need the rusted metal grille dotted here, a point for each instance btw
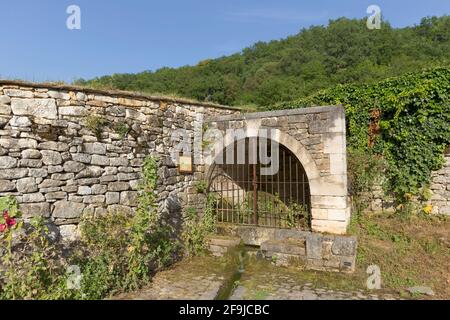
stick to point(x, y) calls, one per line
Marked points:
point(242, 195)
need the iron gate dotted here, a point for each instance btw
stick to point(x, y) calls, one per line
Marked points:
point(242, 195)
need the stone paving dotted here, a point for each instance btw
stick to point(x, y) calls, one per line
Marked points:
point(276, 287)
point(203, 278)
point(197, 279)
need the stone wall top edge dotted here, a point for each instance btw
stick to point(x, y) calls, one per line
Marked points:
point(277, 113)
point(113, 93)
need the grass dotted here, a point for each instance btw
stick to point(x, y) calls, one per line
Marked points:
point(410, 251)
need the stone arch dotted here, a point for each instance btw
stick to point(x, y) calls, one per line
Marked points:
point(295, 146)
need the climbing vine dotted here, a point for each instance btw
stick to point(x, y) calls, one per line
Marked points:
point(411, 128)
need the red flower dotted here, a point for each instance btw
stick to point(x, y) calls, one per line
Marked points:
point(9, 222)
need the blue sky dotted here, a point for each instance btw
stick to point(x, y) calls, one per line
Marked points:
point(131, 36)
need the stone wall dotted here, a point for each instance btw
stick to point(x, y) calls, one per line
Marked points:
point(440, 187)
point(58, 166)
point(440, 192)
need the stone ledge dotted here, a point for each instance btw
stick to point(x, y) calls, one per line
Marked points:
point(114, 93)
point(292, 247)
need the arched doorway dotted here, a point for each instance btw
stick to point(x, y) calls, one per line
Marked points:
point(244, 194)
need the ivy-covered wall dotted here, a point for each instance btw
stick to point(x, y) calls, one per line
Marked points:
point(404, 120)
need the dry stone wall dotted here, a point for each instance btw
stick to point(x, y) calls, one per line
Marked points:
point(66, 152)
point(439, 187)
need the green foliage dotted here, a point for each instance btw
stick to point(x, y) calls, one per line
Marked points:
point(298, 215)
point(365, 170)
point(413, 124)
point(201, 186)
point(9, 203)
point(121, 128)
point(119, 251)
point(95, 123)
point(319, 57)
point(32, 268)
point(116, 252)
point(197, 228)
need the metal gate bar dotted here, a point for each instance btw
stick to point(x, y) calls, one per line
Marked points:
point(244, 196)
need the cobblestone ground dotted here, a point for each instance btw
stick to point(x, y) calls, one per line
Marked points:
point(276, 287)
point(196, 279)
point(203, 278)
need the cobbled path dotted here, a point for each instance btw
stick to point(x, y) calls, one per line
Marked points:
point(202, 279)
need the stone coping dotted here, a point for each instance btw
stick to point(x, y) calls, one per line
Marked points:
point(277, 113)
point(113, 93)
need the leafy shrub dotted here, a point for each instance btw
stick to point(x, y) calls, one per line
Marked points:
point(116, 252)
point(95, 123)
point(197, 228)
point(119, 251)
point(365, 170)
point(121, 128)
point(31, 266)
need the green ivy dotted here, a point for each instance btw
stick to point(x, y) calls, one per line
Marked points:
point(414, 123)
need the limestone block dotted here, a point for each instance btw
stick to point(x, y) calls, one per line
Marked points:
point(112, 198)
point(100, 160)
point(18, 93)
point(29, 210)
point(74, 111)
point(26, 185)
point(7, 162)
point(31, 154)
point(328, 202)
point(6, 185)
point(68, 209)
point(11, 174)
point(95, 148)
point(129, 198)
point(327, 226)
point(54, 146)
point(22, 122)
point(41, 108)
